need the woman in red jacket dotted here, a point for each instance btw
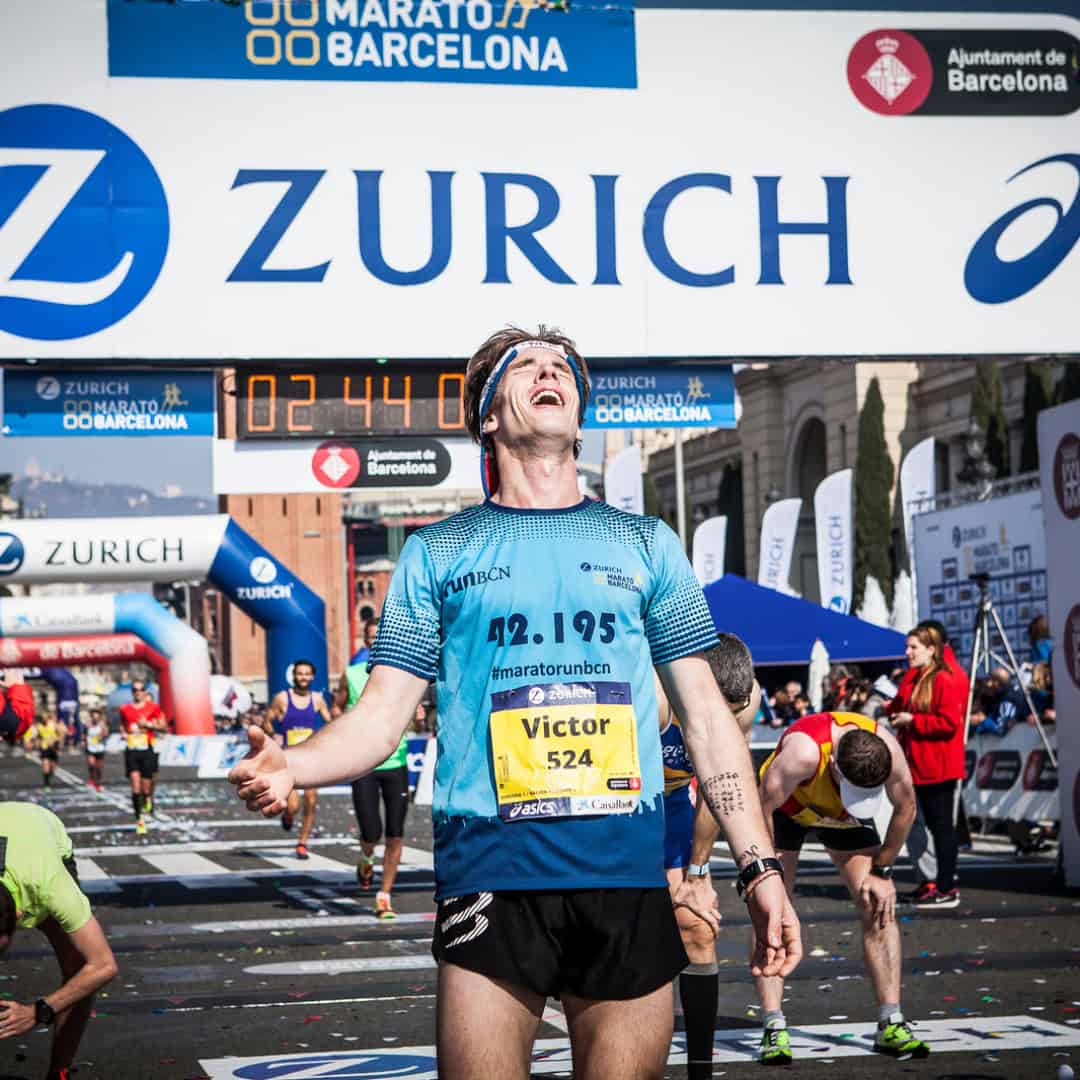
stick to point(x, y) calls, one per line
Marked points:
point(928, 716)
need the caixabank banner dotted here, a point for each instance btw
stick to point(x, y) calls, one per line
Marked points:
point(339, 178)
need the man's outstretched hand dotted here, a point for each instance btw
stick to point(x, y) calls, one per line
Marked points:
point(263, 780)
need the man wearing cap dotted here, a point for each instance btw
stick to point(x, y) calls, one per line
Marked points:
point(831, 775)
point(540, 615)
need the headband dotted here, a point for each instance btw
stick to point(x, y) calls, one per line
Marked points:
point(487, 464)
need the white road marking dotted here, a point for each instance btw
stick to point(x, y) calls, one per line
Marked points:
point(739, 1045)
point(93, 879)
point(306, 1002)
point(348, 966)
point(289, 861)
point(553, 1017)
point(187, 864)
point(254, 925)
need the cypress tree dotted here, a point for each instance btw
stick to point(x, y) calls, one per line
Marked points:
point(1069, 387)
point(988, 408)
point(1037, 395)
point(729, 499)
point(874, 474)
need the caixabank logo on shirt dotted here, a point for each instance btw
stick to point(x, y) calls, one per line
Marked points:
point(84, 223)
point(532, 42)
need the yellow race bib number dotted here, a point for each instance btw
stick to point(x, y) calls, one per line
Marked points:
point(295, 736)
point(565, 750)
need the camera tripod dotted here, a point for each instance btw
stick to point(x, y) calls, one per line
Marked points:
point(982, 654)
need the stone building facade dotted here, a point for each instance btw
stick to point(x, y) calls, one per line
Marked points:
point(800, 421)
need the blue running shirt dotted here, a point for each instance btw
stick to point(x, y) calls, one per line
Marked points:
point(541, 628)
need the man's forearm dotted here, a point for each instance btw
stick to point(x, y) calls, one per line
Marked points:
point(899, 826)
point(351, 746)
point(706, 833)
point(92, 976)
point(727, 782)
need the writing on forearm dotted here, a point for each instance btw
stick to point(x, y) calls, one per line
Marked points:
point(745, 858)
point(724, 794)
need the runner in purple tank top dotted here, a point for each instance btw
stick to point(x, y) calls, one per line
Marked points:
point(294, 716)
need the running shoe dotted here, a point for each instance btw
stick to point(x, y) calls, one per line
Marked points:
point(920, 893)
point(140, 827)
point(383, 910)
point(286, 821)
point(302, 851)
point(938, 900)
point(148, 805)
point(896, 1040)
point(365, 871)
point(775, 1047)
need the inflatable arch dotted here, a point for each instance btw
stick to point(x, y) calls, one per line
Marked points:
point(137, 613)
point(89, 651)
point(207, 546)
point(66, 687)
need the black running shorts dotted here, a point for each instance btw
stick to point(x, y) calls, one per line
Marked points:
point(144, 762)
point(788, 835)
point(601, 944)
point(50, 753)
point(390, 785)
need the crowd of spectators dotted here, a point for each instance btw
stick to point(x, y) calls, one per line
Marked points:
point(998, 702)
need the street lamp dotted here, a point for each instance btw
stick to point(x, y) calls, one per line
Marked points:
point(977, 472)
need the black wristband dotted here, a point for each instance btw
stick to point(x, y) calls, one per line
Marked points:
point(883, 872)
point(753, 870)
point(43, 1012)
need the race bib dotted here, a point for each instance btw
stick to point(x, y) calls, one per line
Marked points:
point(138, 740)
point(565, 750)
point(295, 736)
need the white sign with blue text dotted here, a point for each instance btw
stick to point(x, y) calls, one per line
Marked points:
point(662, 397)
point(108, 403)
point(282, 179)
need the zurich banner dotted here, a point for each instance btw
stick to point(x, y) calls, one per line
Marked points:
point(209, 546)
point(108, 403)
point(697, 396)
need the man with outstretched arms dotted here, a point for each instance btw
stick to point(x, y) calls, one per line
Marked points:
point(689, 835)
point(293, 717)
point(831, 774)
point(540, 615)
point(40, 889)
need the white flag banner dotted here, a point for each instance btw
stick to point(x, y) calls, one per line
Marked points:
point(918, 487)
point(623, 485)
point(710, 546)
point(833, 522)
point(778, 527)
point(1059, 468)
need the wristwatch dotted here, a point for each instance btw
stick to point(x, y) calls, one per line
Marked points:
point(883, 872)
point(44, 1013)
point(753, 870)
point(697, 870)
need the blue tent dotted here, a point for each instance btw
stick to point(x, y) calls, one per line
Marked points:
point(782, 629)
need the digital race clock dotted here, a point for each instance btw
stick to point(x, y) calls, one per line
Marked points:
point(354, 399)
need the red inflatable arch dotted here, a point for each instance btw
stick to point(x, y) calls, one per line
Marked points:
point(90, 650)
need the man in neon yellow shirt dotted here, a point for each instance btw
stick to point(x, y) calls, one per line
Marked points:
point(39, 889)
point(46, 737)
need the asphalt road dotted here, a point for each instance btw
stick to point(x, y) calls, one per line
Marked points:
point(238, 961)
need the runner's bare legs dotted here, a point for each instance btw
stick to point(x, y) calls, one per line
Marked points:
point(484, 1027)
point(621, 1040)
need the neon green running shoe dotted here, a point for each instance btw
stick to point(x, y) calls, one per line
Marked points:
point(896, 1040)
point(775, 1047)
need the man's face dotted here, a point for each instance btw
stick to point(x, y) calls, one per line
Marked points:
point(537, 398)
point(370, 632)
point(138, 692)
point(303, 676)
